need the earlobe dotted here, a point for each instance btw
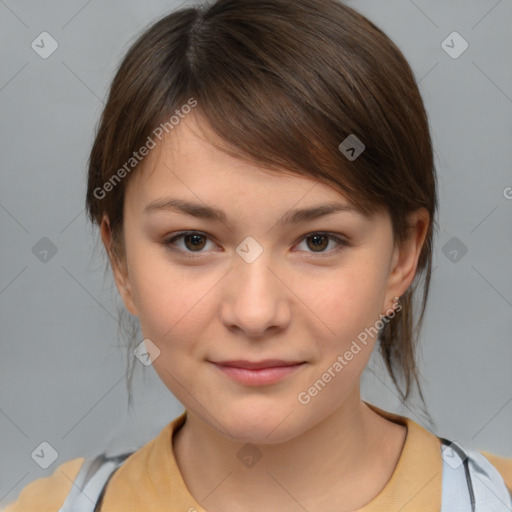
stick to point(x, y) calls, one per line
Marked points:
point(119, 270)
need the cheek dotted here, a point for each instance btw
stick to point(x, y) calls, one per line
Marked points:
point(170, 299)
point(347, 301)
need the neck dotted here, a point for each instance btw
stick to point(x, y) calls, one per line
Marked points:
point(339, 464)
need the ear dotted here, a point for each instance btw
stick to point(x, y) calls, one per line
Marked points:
point(119, 268)
point(406, 256)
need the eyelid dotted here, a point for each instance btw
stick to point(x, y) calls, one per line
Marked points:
point(341, 240)
point(169, 243)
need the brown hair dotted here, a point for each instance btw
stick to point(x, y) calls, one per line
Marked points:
point(283, 84)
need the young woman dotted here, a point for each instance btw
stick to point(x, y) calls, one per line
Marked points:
point(264, 185)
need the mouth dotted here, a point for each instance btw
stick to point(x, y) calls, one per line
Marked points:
point(258, 373)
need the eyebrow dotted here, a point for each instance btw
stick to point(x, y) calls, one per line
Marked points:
point(208, 212)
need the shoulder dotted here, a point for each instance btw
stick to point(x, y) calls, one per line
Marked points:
point(145, 477)
point(47, 494)
point(137, 477)
point(504, 467)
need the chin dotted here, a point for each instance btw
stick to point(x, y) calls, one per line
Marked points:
point(261, 423)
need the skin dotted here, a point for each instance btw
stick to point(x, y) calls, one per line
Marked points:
point(294, 302)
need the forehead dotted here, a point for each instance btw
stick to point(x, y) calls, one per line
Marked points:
point(186, 161)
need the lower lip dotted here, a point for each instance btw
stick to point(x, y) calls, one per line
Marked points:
point(258, 377)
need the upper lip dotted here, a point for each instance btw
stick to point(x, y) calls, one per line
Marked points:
point(257, 365)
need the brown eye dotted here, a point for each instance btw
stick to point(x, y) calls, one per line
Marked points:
point(318, 242)
point(194, 241)
point(188, 242)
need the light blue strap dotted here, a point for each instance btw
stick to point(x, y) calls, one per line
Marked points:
point(491, 492)
point(469, 472)
point(89, 483)
point(456, 494)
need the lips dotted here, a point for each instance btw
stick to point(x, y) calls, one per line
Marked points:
point(258, 373)
point(258, 365)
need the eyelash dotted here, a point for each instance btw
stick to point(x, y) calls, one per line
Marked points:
point(191, 254)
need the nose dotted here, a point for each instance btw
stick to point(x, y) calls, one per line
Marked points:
point(256, 299)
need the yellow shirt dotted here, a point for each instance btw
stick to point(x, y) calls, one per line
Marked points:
point(150, 480)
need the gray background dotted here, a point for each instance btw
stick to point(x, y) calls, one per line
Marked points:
point(62, 368)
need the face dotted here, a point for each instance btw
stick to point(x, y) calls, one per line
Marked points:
point(259, 314)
